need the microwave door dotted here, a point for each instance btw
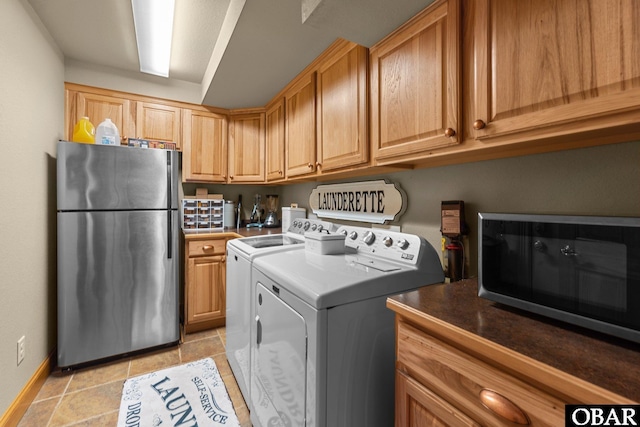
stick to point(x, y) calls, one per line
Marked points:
point(601, 272)
point(550, 269)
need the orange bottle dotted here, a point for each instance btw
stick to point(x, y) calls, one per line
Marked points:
point(84, 131)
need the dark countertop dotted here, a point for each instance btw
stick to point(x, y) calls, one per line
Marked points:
point(230, 233)
point(608, 362)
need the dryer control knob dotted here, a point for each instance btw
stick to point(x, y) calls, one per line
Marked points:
point(306, 225)
point(388, 241)
point(402, 244)
point(353, 235)
point(344, 232)
point(313, 227)
point(369, 238)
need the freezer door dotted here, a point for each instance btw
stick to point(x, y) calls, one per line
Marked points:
point(102, 177)
point(117, 283)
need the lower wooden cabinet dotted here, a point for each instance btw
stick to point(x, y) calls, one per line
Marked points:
point(440, 382)
point(205, 277)
point(417, 406)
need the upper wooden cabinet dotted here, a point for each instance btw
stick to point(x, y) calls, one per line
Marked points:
point(415, 86)
point(100, 107)
point(326, 114)
point(246, 147)
point(275, 140)
point(341, 96)
point(158, 122)
point(97, 107)
point(300, 128)
point(204, 148)
point(136, 116)
point(554, 69)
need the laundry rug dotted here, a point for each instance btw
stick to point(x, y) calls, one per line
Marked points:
point(187, 395)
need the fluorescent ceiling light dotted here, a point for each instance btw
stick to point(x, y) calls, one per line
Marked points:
point(153, 20)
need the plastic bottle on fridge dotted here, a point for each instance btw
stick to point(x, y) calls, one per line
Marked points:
point(107, 133)
point(84, 131)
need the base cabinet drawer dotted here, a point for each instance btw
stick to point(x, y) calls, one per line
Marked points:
point(482, 392)
point(207, 247)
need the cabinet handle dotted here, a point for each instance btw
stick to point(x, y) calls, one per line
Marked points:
point(310, 165)
point(280, 172)
point(207, 248)
point(503, 407)
point(318, 165)
point(449, 132)
point(479, 124)
point(230, 176)
point(224, 259)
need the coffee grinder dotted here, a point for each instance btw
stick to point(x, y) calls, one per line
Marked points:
point(453, 227)
point(271, 220)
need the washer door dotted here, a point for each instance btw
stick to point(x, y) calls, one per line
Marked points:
point(278, 377)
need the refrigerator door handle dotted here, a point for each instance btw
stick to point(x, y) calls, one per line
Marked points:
point(169, 212)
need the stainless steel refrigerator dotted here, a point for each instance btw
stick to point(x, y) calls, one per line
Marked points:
point(118, 250)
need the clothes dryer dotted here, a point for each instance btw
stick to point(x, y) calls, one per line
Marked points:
point(322, 350)
point(241, 253)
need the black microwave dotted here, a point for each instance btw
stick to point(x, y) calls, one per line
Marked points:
point(583, 270)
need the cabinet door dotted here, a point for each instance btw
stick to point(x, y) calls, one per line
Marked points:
point(300, 139)
point(206, 289)
point(551, 69)
point(417, 406)
point(415, 86)
point(204, 146)
point(342, 109)
point(489, 395)
point(246, 148)
point(158, 122)
point(275, 141)
point(99, 107)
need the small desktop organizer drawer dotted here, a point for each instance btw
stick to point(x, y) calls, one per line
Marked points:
point(202, 215)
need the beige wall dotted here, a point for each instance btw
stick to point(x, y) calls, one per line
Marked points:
point(141, 84)
point(31, 121)
point(589, 181)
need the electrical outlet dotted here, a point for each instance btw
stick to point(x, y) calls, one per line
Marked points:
point(21, 349)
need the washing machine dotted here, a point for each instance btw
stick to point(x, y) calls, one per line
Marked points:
point(323, 341)
point(241, 253)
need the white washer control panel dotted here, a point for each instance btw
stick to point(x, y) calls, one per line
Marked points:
point(302, 225)
point(383, 244)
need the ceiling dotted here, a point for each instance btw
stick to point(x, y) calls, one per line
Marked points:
point(240, 52)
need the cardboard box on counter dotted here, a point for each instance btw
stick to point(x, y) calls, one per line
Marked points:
point(214, 196)
point(201, 193)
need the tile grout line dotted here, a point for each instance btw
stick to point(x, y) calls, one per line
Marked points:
point(76, 423)
point(64, 392)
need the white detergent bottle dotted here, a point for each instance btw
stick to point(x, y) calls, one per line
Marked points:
point(107, 133)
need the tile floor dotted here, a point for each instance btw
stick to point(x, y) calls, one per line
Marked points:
point(90, 397)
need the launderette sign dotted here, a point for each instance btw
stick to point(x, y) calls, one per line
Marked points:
point(368, 201)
